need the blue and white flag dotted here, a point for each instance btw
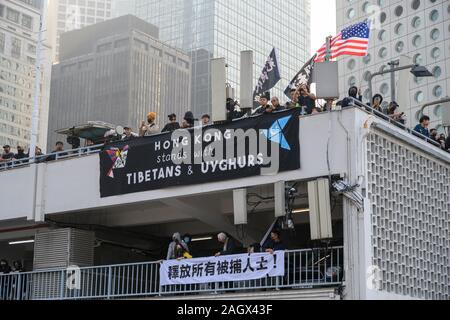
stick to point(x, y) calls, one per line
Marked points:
point(269, 77)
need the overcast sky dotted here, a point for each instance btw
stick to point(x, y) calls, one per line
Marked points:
point(323, 22)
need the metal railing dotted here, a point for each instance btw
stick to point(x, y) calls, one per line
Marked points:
point(359, 104)
point(303, 269)
point(66, 154)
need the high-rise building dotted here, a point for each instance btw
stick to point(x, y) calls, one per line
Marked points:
point(224, 28)
point(19, 29)
point(68, 15)
point(123, 7)
point(413, 31)
point(117, 71)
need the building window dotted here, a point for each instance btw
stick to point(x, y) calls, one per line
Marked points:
point(419, 97)
point(434, 15)
point(31, 48)
point(351, 13)
point(16, 48)
point(437, 91)
point(367, 58)
point(416, 22)
point(12, 15)
point(2, 42)
point(27, 21)
point(435, 53)
point(2, 10)
point(435, 33)
point(437, 71)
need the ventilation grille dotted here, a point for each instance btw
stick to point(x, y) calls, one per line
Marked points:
point(410, 220)
point(63, 248)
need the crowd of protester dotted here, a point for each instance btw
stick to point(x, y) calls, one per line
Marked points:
point(5, 268)
point(301, 98)
point(179, 247)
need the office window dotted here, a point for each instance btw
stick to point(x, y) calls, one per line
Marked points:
point(2, 42)
point(16, 47)
point(27, 21)
point(12, 15)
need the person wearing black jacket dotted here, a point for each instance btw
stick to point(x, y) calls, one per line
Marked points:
point(230, 246)
point(354, 93)
point(4, 267)
point(275, 243)
point(172, 125)
point(20, 153)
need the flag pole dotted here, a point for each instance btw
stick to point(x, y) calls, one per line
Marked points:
point(328, 49)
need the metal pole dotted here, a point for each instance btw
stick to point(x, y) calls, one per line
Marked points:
point(328, 49)
point(433, 103)
point(392, 70)
point(371, 76)
point(393, 64)
point(37, 90)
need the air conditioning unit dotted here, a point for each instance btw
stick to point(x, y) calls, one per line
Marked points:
point(59, 249)
point(62, 248)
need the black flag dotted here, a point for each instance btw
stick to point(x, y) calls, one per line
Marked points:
point(302, 77)
point(269, 77)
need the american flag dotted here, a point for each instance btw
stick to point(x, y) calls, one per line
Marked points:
point(352, 41)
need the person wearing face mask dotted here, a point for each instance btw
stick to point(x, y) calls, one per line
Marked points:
point(178, 249)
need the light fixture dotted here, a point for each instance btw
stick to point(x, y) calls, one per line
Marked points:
point(421, 71)
point(20, 242)
point(298, 211)
point(201, 239)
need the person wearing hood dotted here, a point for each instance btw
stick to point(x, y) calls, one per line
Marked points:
point(4, 267)
point(353, 93)
point(151, 127)
point(188, 120)
point(178, 249)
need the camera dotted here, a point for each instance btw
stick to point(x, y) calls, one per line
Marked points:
point(75, 142)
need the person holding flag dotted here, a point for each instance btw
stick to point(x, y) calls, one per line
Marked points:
point(264, 103)
point(353, 40)
point(270, 76)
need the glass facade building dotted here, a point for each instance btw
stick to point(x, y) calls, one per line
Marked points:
point(223, 28)
point(19, 26)
point(116, 71)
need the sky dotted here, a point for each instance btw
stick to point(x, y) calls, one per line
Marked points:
point(323, 22)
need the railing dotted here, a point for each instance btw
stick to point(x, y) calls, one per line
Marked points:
point(359, 104)
point(303, 269)
point(74, 153)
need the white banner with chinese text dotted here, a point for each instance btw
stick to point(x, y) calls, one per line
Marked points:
point(222, 269)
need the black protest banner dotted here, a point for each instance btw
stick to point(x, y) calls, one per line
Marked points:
point(243, 148)
point(270, 76)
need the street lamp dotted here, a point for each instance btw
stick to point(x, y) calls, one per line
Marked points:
point(416, 70)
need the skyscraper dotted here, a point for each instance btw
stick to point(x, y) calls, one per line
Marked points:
point(417, 31)
point(117, 71)
point(224, 28)
point(68, 15)
point(19, 26)
point(122, 7)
